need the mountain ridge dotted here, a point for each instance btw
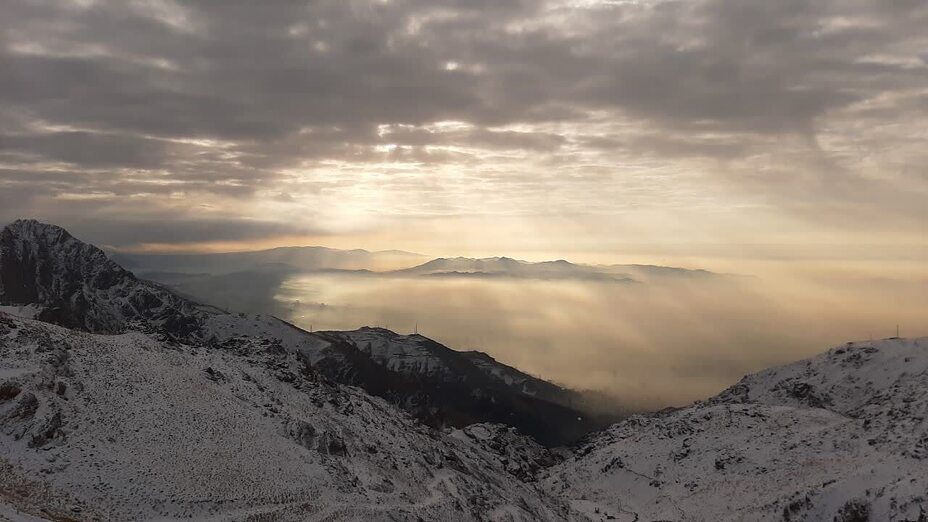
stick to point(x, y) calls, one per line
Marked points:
point(497, 266)
point(127, 427)
point(557, 269)
point(305, 258)
point(44, 264)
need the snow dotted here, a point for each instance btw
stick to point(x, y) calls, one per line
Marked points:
point(11, 514)
point(401, 353)
point(291, 338)
point(800, 442)
point(29, 311)
point(154, 431)
point(521, 456)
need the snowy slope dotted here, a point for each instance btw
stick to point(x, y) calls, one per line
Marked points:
point(520, 455)
point(835, 437)
point(125, 428)
point(400, 353)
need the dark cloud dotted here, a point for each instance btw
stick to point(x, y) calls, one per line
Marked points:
point(240, 71)
point(228, 99)
point(88, 149)
point(130, 227)
point(164, 229)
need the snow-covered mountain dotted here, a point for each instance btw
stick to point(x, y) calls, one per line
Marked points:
point(128, 427)
point(51, 276)
point(842, 436)
point(62, 280)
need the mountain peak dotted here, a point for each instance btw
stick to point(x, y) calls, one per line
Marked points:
point(74, 284)
point(38, 261)
point(35, 231)
point(23, 223)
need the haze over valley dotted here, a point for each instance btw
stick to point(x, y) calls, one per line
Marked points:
point(643, 335)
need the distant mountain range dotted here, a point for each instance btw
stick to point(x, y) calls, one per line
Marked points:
point(251, 281)
point(180, 268)
point(306, 259)
point(560, 269)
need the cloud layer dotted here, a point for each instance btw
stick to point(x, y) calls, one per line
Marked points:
point(239, 120)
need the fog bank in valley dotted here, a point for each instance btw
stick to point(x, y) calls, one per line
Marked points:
point(649, 345)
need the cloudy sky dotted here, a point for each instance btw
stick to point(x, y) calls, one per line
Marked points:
point(468, 126)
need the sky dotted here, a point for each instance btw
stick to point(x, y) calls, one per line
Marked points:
point(648, 130)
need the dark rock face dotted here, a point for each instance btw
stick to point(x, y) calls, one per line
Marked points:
point(806, 394)
point(8, 391)
point(521, 456)
point(854, 511)
point(50, 431)
point(73, 284)
point(44, 264)
point(214, 375)
point(303, 433)
point(466, 396)
point(26, 408)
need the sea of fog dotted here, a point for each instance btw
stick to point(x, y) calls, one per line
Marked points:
point(650, 345)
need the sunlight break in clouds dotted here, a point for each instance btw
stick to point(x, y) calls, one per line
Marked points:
point(672, 121)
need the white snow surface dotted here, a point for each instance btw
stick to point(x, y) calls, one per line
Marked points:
point(400, 353)
point(125, 427)
point(835, 437)
point(29, 311)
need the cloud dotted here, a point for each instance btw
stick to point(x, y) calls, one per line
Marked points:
point(456, 106)
point(664, 342)
point(165, 229)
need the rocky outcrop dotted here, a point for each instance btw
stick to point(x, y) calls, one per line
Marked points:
point(75, 285)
